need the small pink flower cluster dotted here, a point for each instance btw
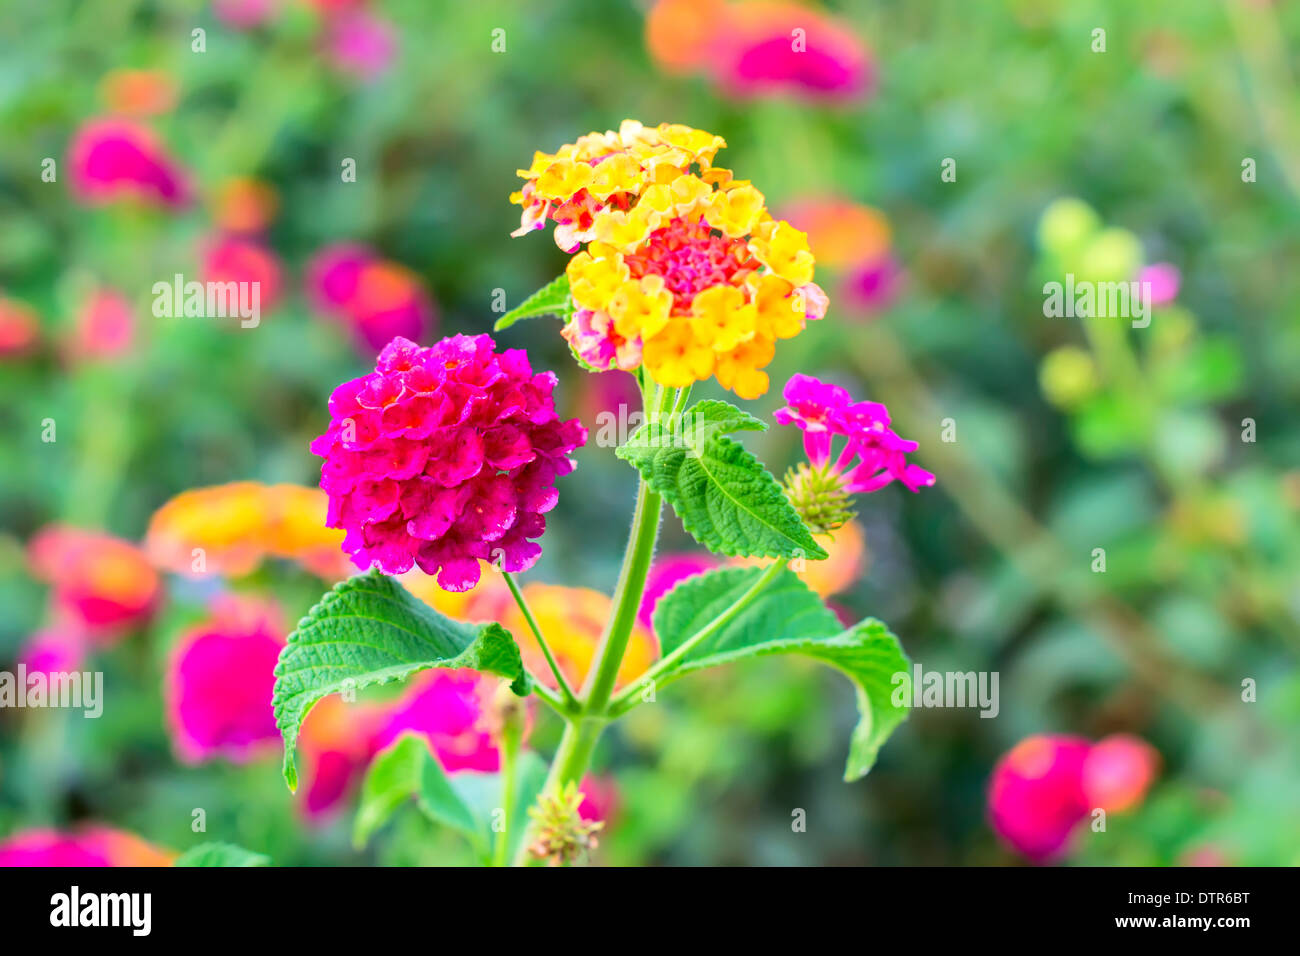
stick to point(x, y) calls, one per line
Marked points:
point(873, 454)
point(445, 457)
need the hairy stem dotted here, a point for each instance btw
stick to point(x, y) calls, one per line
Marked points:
point(581, 733)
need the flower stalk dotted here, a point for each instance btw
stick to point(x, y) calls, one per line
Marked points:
point(570, 700)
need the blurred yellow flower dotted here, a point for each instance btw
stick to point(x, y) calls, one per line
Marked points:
point(230, 529)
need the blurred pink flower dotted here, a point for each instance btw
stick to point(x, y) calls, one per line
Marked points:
point(760, 48)
point(599, 798)
point(337, 742)
point(219, 680)
point(377, 300)
point(1046, 785)
point(1165, 281)
point(359, 43)
point(776, 47)
point(609, 397)
point(104, 327)
point(53, 651)
point(89, 846)
point(448, 709)
point(1118, 771)
point(1036, 795)
point(244, 14)
point(237, 259)
point(115, 158)
point(873, 286)
point(666, 571)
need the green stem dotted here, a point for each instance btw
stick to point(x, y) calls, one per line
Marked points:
point(630, 696)
point(627, 601)
point(552, 700)
point(581, 733)
point(569, 699)
point(511, 738)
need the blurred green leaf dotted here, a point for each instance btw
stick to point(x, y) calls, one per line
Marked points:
point(221, 854)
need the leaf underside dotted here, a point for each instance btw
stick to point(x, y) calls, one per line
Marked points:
point(788, 618)
point(371, 630)
point(465, 802)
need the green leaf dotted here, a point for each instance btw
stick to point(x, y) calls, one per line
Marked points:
point(725, 498)
point(465, 802)
point(550, 299)
point(371, 630)
point(403, 770)
point(787, 618)
point(221, 854)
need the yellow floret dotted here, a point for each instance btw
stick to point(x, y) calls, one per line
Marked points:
point(735, 211)
point(784, 249)
point(641, 308)
point(593, 281)
point(676, 358)
point(722, 318)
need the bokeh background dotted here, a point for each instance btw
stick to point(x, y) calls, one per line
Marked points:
point(1173, 154)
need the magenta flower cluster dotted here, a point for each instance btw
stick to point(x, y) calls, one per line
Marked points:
point(444, 457)
point(872, 455)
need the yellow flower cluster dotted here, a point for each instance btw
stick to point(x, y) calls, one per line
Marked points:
point(685, 271)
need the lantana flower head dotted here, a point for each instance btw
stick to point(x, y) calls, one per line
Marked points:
point(444, 457)
point(685, 272)
point(871, 456)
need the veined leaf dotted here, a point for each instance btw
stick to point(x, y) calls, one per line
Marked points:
point(371, 630)
point(465, 802)
point(220, 854)
point(725, 498)
point(787, 618)
point(551, 299)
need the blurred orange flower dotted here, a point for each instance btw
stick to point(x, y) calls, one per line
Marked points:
point(847, 560)
point(19, 327)
point(572, 621)
point(138, 92)
point(244, 205)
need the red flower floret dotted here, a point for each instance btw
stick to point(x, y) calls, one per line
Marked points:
point(445, 457)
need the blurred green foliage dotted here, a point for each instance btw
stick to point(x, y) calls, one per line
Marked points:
point(992, 570)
